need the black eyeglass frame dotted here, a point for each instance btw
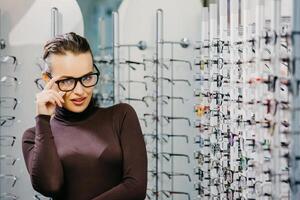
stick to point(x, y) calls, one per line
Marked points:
point(77, 79)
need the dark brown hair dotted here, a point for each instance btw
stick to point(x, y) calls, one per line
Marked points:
point(60, 44)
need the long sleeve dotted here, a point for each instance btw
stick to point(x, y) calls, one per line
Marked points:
point(134, 181)
point(41, 157)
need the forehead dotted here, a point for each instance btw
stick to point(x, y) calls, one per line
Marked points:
point(70, 64)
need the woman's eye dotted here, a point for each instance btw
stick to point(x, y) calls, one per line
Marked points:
point(87, 77)
point(67, 82)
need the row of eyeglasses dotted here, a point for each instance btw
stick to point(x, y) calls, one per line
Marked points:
point(162, 170)
point(9, 103)
point(244, 108)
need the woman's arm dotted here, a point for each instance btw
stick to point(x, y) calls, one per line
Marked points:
point(41, 157)
point(134, 183)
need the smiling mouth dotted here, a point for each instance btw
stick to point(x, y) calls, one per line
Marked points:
point(78, 101)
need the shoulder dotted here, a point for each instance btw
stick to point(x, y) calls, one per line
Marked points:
point(29, 133)
point(121, 110)
point(123, 107)
point(115, 110)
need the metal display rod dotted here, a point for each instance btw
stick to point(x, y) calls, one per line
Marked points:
point(158, 52)
point(2, 41)
point(295, 161)
point(54, 22)
point(116, 55)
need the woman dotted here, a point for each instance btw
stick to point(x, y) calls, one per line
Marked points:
point(76, 150)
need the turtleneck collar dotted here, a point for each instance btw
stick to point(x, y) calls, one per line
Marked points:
point(67, 116)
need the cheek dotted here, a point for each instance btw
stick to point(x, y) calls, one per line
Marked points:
point(67, 96)
point(89, 91)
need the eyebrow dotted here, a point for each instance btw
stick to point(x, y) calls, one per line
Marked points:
point(75, 77)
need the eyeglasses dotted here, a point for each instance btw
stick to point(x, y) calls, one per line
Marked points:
point(7, 140)
point(104, 97)
point(68, 84)
point(7, 177)
point(169, 193)
point(7, 195)
point(41, 197)
point(170, 175)
point(10, 60)
point(8, 159)
point(39, 83)
point(7, 120)
point(9, 102)
point(9, 80)
point(150, 138)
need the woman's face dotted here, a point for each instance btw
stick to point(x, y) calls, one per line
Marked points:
point(74, 66)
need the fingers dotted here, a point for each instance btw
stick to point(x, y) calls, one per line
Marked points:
point(50, 96)
point(58, 95)
point(55, 99)
point(50, 84)
point(51, 100)
point(61, 93)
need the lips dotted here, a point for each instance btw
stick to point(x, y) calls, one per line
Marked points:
point(78, 101)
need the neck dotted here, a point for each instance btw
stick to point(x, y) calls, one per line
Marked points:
point(65, 115)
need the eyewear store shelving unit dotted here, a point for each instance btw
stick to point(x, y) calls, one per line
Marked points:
point(238, 82)
point(9, 102)
point(218, 103)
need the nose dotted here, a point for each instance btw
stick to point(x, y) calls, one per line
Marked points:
point(79, 89)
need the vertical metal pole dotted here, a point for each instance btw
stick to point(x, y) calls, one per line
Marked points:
point(295, 154)
point(2, 41)
point(102, 32)
point(0, 23)
point(102, 45)
point(172, 114)
point(116, 56)
point(1, 31)
point(212, 24)
point(159, 43)
point(54, 22)
point(276, 194)
point(128, 75)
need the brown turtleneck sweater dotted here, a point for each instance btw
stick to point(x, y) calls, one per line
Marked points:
point(98, 154)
